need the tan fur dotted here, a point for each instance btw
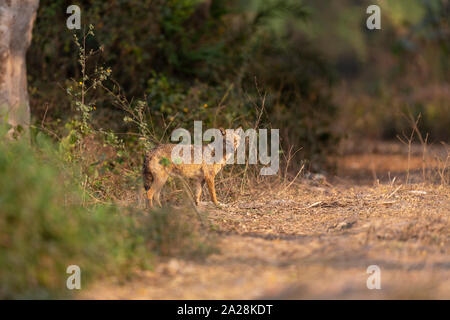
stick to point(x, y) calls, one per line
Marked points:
point(158, 167)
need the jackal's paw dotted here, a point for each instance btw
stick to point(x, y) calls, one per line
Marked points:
point(221, 205)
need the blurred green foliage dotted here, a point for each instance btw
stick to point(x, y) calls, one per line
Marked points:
point(48, 223)
point(385, 75)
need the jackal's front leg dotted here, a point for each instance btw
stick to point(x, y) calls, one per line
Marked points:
point(212, 190)
point(198, 190)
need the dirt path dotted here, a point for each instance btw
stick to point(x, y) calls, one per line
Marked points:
point(314, 241)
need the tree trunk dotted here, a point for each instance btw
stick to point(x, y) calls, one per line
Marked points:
point(16, 23)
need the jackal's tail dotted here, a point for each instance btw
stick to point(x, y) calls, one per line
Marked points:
point(146, 173)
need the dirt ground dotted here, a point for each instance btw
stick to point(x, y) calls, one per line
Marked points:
point(316, 240)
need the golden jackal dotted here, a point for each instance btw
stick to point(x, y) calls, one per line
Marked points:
point(158, 166)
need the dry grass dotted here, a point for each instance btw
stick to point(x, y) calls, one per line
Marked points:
point(316, 239)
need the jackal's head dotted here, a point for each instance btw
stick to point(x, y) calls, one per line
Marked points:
point(232, 137)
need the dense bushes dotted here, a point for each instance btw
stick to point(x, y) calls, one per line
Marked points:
point(202, 59)
point(189, 59)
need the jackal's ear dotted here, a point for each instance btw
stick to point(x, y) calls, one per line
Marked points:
point(222, 131)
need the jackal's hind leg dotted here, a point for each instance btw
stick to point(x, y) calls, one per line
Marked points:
point(149, 199)
point(154, 191)
point(157, 186)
